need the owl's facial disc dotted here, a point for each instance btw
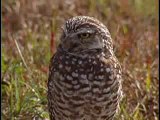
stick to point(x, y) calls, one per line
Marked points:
point(81, 41)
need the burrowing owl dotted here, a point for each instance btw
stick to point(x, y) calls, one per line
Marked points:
point(85, 76)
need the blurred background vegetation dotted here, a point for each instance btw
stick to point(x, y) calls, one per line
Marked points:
point(29, 27)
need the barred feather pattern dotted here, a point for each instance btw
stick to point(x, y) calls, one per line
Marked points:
point(84, 88)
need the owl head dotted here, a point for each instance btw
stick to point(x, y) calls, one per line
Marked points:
point(83, 35)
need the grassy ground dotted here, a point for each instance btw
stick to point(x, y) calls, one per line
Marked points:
point(28, 26)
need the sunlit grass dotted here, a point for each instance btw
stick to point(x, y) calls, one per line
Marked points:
point(133, 25)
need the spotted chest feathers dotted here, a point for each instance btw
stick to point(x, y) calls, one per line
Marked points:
point(89, 85)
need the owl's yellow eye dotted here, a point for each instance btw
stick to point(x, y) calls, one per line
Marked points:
point(84, 35)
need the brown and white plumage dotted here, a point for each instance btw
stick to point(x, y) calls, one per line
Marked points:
point(85, 76)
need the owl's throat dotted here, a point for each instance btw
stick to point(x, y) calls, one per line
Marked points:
point(83, 53)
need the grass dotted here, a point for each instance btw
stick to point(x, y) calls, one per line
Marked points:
point(26, 35)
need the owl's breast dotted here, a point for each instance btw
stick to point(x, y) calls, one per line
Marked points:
point(90, 85)
point(87, 77)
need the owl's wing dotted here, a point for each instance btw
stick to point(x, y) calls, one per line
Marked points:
point(113, 88)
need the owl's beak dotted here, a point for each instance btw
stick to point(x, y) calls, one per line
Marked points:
point(69, 44)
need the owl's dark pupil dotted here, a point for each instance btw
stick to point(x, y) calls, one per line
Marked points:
point(84, 35)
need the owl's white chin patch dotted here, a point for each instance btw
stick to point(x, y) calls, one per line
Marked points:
point(86, 53)
point(96, 50)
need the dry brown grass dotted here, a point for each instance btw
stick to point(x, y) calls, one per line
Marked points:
point(134, 28)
